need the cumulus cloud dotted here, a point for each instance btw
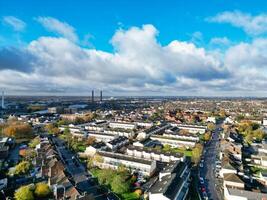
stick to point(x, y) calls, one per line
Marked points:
point(15, 59)
point(252, 25)
point(139, 63)
point(14, 22)
point(61, 28)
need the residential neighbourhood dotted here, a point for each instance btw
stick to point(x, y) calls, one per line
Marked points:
point(133, 100)
point(128, 153)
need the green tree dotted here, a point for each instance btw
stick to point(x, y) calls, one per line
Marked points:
point(119, 185)
point(106, 176)
point(66, 131)
point(34, 142)
point(24, 193)
point(42, 190)
point(22, 168)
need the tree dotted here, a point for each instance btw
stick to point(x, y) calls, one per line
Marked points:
point(18, 130)
point(105, 177)
point(207, 136)
point(196, 153)
point(22, 168)
point(55, 130)
point(42, 190)
point(211, 126)
point(30, 154)
point(222, 113)
point(79, 120)
point(49, 127)
point(259, 134)
point(94, 160)
point(122, 169)
point(34, 142)
point(91, 140)
point(66, 131)
point(119, 185)
point(63, 122)
point(52, 129)
point(167, 148)
point(24, 193)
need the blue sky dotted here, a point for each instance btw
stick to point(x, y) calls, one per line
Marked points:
point(174, 19)
point(210, 32)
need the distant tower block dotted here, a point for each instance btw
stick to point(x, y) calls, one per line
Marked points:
point(101, 97)
point(3, 100)
point(92, 96)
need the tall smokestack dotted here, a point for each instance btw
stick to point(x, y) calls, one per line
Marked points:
point(3, 100)
point(92, 96)
point(101, 96)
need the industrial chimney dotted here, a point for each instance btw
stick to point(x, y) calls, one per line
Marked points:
point(101, 96)
point(92, 96)
point(3, 100)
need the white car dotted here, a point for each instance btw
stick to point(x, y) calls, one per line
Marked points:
point(201, 180)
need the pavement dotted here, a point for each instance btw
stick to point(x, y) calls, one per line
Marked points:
point(208, 169)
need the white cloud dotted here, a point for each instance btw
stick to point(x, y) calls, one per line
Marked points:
point(220, 41)
point(139, 65)
point(61, 28)
point(252, 25)
point(16, 23)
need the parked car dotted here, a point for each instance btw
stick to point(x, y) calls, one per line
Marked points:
point(201, 180)
point(205, 196)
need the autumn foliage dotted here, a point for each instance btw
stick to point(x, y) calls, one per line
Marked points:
point(18, 130)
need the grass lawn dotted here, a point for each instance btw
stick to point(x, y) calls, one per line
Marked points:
point(186, 152)
point(178, 150)
point(81, 148)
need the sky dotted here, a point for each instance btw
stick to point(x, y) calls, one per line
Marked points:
point(138, 48)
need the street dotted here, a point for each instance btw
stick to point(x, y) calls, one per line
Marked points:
point(207, 171)
point(76, 170)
